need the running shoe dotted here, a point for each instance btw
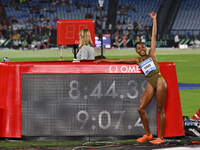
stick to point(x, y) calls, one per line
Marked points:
point(145, 138)
point(157, 141)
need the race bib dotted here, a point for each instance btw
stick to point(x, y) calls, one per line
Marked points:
point(147, 66)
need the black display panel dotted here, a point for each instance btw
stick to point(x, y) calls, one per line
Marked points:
point(83, 105)
point(106, 41)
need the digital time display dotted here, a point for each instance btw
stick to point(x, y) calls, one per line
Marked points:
point(83, 104)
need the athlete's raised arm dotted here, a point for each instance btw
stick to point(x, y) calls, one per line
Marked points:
point(127, 61)
point(152, 51)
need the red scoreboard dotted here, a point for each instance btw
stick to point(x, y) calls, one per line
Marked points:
point(68, 30)
point(81, 99)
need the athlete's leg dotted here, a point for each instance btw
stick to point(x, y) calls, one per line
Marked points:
point(144, 101)
point(160, 96)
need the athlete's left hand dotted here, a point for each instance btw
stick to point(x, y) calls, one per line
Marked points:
point(153, 15)
point(98, 61)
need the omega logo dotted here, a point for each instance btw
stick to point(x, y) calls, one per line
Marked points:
point(124, 69)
